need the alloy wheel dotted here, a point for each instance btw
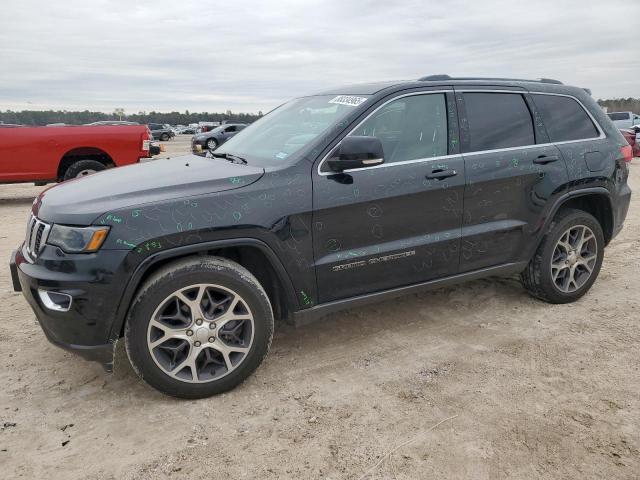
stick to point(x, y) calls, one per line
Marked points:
point(200, 333)
point(574, 258)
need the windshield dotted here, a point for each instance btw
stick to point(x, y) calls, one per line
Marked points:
point(274, 138)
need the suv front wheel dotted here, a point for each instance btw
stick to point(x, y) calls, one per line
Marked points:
point(199, 327)
point(568, 260)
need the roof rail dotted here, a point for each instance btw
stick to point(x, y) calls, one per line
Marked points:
point(441, 77)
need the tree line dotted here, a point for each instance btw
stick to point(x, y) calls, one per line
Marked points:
point(621, 105)
point(37, 117)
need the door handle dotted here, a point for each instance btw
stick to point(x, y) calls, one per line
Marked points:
point(441, 174)
point(544, 159)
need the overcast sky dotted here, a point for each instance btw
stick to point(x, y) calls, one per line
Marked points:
point(248, 56)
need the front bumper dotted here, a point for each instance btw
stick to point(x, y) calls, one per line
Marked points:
point(86, 328)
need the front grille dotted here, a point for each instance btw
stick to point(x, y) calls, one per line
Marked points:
point(37, 233)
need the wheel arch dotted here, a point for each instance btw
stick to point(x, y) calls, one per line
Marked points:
point(596, 201)
point(83, 153)
point(255, 255)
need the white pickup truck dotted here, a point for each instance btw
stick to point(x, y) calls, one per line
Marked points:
point(624, 119)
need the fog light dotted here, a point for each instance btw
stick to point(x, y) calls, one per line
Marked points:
point(60, 302)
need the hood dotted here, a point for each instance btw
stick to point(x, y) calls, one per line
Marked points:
point(81, 201)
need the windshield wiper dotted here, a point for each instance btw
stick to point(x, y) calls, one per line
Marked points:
point(230, 157)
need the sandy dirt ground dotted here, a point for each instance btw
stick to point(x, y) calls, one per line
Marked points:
point(536, 390)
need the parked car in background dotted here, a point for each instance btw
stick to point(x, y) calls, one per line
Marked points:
point(331, 201)
point(188, 131)
point(216, 137)
point(624, 119)
point(50, 154)
point(161, 131)
point(632, 135)
point(207, 126)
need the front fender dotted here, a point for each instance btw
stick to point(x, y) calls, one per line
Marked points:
point(181, 251)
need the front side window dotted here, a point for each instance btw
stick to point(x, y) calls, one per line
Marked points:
point(230, 129)
point(275, 138)
point(409, 128)
point(498, 120)
point(564, 118)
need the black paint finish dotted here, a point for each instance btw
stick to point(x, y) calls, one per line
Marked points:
point(334, 238)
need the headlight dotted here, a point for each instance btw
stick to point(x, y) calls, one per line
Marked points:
point(77, 239)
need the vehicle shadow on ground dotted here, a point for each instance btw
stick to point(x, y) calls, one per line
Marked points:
point(17, 200)
point(437, 311)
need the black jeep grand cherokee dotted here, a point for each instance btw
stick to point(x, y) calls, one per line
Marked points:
point(330, 201)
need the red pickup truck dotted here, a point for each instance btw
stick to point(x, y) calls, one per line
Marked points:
point(57, 153)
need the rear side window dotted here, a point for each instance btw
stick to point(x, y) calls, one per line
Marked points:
point(410, 128)
point(564, 118)
point(618, 116)
point(498, 120)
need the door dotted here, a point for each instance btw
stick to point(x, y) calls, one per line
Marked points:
point(512, 172)
point(397, 223)
point(27, 153)
point(585, 148)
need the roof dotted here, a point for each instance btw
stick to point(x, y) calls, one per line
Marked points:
point(544, 84)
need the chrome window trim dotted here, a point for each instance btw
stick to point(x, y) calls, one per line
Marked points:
point(478, 152)
point(404, 162)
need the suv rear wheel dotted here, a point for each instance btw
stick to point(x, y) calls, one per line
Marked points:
point(199, 327)
point(568, 260)
point(165, 137)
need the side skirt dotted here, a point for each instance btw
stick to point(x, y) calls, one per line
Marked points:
point(310, 315)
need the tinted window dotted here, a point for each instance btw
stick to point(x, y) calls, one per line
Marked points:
point(230, 129)
point(618, 115)
point(498, 120)
point(564, 118)
point(410, 127)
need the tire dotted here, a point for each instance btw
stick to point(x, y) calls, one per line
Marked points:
point(168, 364)
point(82, 168)
point(165, 137)
point(553, 282)
point(212, 144)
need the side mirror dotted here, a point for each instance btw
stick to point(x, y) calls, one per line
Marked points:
point(357, 152)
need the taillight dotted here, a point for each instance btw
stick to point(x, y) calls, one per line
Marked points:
point(146, 142)
point(627, 153)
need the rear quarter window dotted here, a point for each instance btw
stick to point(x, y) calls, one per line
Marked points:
point(564, 118)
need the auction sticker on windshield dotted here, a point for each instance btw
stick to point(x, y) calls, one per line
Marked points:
point(348, 100)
